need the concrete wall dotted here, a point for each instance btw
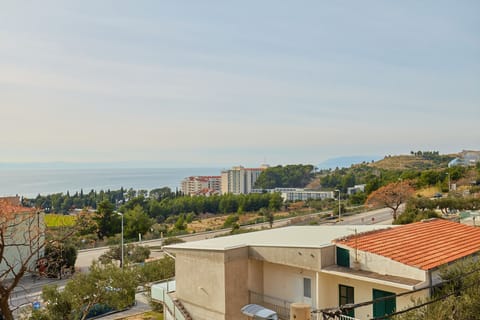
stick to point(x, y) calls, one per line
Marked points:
point(236, 282)
point(200, 284)
point(213, 284)
point(305, 258)
point(328, 256)
point(255, 276)
point(328, 295)
point(286, 283)
point(382, 265)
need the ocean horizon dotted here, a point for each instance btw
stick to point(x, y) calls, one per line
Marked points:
point(29, 182)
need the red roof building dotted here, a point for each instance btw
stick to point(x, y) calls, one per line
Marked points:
point(424, 245)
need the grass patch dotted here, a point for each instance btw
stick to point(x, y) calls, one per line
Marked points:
point(59, 220)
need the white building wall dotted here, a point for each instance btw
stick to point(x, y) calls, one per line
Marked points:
point(286, 283)
point(385, 266)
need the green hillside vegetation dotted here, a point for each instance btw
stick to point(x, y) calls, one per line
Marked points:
point(416, 160)
point(426, 168)
point(289, 176)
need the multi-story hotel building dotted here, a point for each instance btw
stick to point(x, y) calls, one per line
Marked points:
point(240, 180)
point(197, 184)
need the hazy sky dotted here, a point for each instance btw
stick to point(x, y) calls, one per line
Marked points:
point(203, 83)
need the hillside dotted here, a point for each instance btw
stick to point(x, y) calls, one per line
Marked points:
point(405, 162)
point(423, 165)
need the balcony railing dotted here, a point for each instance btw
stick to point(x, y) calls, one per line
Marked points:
point(281, 307)
point(319, 316)
point(162, 291)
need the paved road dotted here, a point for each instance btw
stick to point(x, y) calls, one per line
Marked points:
point(380, 216)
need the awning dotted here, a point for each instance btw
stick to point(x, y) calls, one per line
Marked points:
point(254, 310)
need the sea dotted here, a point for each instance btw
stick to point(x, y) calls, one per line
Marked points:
point(29, 182)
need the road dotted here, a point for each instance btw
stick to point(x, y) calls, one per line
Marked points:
point(380, 216)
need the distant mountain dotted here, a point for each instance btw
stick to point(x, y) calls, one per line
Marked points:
point(346, 162)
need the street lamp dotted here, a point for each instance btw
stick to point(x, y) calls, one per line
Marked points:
point(339, 208)
point(121, 214)
point(448, 175)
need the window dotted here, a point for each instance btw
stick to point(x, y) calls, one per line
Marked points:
point(345, 296)
point(307, 287)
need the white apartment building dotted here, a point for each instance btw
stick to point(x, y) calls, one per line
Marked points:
point(303, 195)
point(240, 180)
point(356, 188)
point(197, 184)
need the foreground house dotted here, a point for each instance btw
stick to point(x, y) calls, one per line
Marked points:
point(324, 266)
point(22, 235)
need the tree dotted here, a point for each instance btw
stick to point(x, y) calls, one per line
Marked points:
point(137, 221)
point(60, 255)
point(107, 221)
point(104, 284)
point(456, 299)
point(391, 196)
point(161, 269)
point(270, 218)
point(22, 243)
point(293, 176)
point(132, 253)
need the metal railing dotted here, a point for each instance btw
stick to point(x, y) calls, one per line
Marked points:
point(280, 306)
point(161, 291)
point(319, 316)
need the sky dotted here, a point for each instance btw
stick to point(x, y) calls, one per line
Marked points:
point(217, 83)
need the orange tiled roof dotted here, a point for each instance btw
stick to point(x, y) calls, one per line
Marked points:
point(425, 245)
point(6, 207)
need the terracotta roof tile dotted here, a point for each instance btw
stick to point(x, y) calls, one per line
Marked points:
point(6, 207)
point(425, 245)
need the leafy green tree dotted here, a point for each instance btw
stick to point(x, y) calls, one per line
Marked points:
point(157, 270)
point(161, 193)
point(132, 253)
point(358, 198)
point(104, 284)
point(172, 240)
point(107, 220)
point(189, 218)
point(137, 222)
point(275, 202)
point(270, 218)
point(456, 299)
point(180, 223)
point(59, 306)
point(230, 221)
point(289, 176)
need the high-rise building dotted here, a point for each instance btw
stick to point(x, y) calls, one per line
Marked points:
point(240, 180)
point(199, 184)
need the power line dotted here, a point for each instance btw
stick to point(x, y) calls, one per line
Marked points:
point(343, 308)
point(426, 303)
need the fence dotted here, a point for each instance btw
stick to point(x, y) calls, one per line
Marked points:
point(281, 307)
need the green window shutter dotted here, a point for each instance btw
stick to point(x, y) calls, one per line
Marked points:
point(343, 257)
point(384, 307)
